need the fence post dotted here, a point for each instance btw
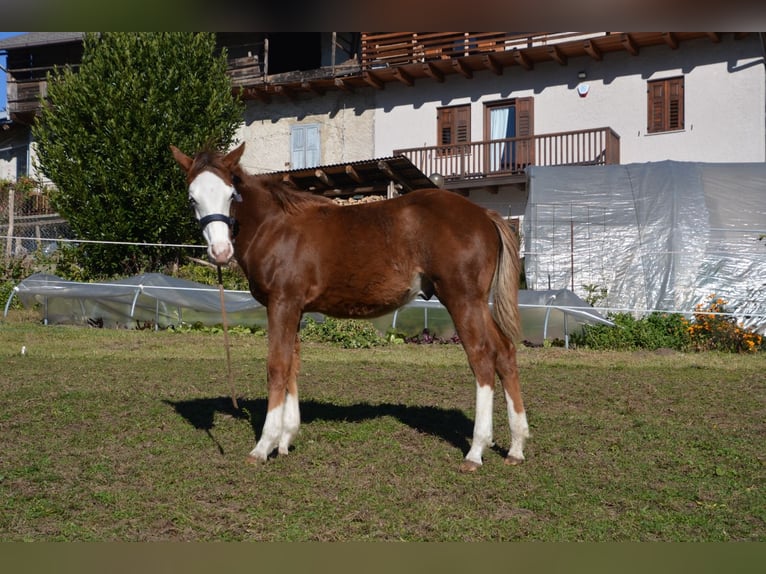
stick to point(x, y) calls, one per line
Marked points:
point(11, 209)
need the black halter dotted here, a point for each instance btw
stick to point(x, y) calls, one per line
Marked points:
point(227, 219)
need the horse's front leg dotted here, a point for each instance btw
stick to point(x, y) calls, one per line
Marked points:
point(282, 416)
point(291, 419)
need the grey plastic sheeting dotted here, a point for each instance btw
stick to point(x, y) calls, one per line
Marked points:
point(545, 315)
point(163, 301)
point(153, 298)
point(659, 236)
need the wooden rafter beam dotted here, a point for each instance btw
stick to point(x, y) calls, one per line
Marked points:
point(461, 67)
point(385, 168)
point(258, 94)
point(285, 91)
point(432, 71)
point(313, 87)
point(670, 39)
point(322, 176)
point(629, 44)
point(403, 77)
point(341, 84)
point(523, 60)
point(353, 174)
point(288, 179)
point(592, 50)
point(555, 53)
point(491, 63)
point(374, 80)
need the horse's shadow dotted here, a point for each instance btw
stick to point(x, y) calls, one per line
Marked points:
point(450, 425)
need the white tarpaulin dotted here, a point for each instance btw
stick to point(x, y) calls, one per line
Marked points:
point(657, 236)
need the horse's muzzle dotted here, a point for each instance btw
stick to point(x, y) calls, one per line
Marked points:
point(220, 253)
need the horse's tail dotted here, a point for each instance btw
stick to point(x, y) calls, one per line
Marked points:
point(505, 284)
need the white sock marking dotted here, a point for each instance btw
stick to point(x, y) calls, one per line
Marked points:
point(272, 431)
point(519, 429)
point(291, 422)
point(482, 428)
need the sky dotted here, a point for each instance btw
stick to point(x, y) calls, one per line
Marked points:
point(3, 94)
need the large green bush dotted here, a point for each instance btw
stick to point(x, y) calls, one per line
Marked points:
point(103, 140)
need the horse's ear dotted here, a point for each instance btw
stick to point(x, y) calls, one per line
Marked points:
point(183, 160)
point(231, 159)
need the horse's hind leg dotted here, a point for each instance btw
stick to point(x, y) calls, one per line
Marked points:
point(508, 371)
point(471, 321)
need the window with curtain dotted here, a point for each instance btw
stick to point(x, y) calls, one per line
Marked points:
point(502, 125)
point(505, 120)
point(665, 105)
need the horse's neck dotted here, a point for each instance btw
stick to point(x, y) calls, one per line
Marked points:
point(258, 203)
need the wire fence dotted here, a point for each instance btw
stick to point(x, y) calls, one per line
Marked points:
point(31, 230)
point(28, 223)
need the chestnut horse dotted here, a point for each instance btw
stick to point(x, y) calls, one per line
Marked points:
point(305, 253)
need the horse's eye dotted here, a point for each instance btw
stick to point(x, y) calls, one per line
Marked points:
point(192, 201)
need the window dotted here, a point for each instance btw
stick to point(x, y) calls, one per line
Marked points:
point(454, 126)
point(304, 146)
point(665, 111)
point(506, 119)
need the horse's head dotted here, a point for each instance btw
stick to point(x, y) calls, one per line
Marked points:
point(211, 192)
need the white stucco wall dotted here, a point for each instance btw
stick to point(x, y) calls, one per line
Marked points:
point(725, 106)
point(345, 120)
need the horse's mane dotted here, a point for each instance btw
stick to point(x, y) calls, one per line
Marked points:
point(206, 159)
point(288, 198)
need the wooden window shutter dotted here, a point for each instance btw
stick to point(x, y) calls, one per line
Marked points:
point(525, 117)
point(463, 124)
point(665, 105)
point(525, 128)
point(454, 125)
point(676, 104)
point(444, 118)
point(656, 107)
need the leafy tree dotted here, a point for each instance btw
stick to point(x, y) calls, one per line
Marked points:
point(103, 140)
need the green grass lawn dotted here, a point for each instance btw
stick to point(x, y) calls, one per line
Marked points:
point(130, 435)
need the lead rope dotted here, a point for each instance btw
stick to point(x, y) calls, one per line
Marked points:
point(226, 340)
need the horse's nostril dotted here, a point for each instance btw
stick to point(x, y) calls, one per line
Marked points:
point(221, 253)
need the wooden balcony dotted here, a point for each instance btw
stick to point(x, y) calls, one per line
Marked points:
point(508, 157)
point(496, 50)
point(24, 97)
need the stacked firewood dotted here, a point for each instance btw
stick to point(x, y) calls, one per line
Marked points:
point(355, 200)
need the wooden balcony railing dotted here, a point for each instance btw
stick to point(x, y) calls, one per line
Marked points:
point(25, 95)
point(401, 48)
point(491, 158)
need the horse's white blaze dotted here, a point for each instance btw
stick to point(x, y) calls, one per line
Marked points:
point(212, 195)
point(271, 433)
point(482, 427)
point(291, 422)
point(519, 429)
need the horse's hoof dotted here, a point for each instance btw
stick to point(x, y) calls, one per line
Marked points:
point(469, 466)
point(513, 461)
point(254, 460)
